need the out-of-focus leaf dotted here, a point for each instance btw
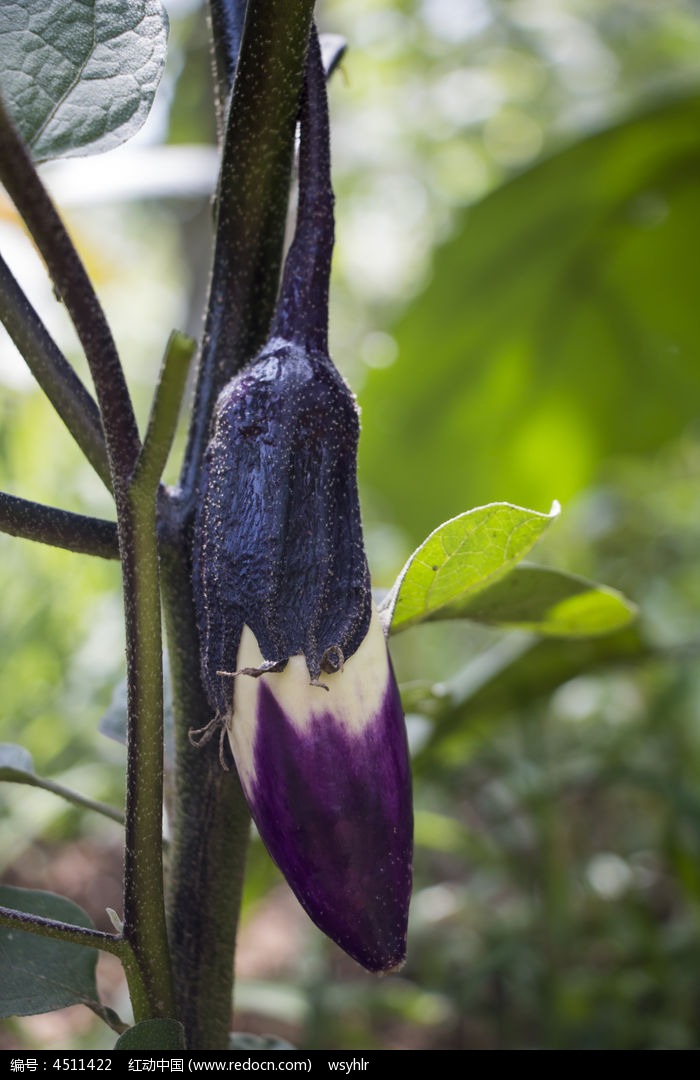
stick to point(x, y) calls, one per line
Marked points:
point(38, 973)
point(241, 1040)
point(460, 558)
point(113, 722)
point(80, 78)
point(16, 764)
point(166, 1035)
point(547, 602)
point(559, 327)
point(516, 671)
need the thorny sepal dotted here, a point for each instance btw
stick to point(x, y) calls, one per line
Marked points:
point(278, 532)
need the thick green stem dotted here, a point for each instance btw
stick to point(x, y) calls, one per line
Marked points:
point(210, 835)
point(144, 899)
point(144, 909)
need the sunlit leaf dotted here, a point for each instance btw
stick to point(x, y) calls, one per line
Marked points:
point(460, 558)
point(545, 601)
point(38, 973)
point(80, 77)
point(166, 1035)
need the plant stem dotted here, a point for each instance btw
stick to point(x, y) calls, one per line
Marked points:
point(69, 795)
point(55, 376)
point(59, 528)
point(61, 931)
point(165, 410)
point(74, 287)
point(144, 913)
point(251, 205)
point(144, 899)
point(210, 834)
point(211, 822)
point(227, 19)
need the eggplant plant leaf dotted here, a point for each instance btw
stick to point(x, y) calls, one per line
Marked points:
point(516, 671)
point(166, 1035)
point(39, 973)
point(545, 601)
point(16, 764)
point(80, 78)
point(460, 558)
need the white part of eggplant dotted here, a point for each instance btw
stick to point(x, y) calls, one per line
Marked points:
point(353, 696)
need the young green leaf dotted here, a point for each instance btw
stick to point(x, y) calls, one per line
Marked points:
point(461, 558)
point(546, 602)
point(166, 1035)
point(41, 974)
point(80, 78)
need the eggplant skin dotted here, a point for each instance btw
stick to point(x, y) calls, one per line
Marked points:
point(327, 777)
point(277, 535)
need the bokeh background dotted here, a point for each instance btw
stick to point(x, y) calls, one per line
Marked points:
point(515, 302)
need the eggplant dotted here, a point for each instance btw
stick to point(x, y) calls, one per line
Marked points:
point(294, 659)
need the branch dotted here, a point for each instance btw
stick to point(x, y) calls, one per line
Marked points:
point(252, 205)
point(165, 410)
point(69, 397)
point(59, 528)
point(60, 931)
point(74, 797)
point(75, 289)
point(227, 19)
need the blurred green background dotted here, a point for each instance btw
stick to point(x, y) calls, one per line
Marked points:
point(515, 303)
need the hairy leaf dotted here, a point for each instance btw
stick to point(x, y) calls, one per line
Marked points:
point(80, 77)
point(38, 973)
point(153, 1035)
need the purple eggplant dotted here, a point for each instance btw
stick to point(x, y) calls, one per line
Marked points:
point(294, 659)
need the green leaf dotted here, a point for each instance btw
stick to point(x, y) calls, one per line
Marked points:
point(16, 764)
point(80, 77)
point(460, 558)
point(545, 601)
point(166, 1035)
point(559, 328)
point(38, 973)
point(517, 671)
